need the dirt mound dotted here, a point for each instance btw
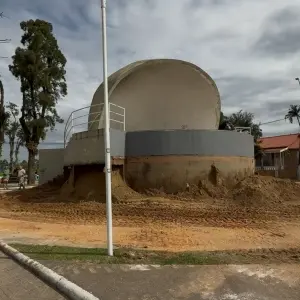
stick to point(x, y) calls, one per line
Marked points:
point(212, 188)
point(90, 186)
point(48, 192)
point(253, 191)
point(265, 191)
point(120, 190)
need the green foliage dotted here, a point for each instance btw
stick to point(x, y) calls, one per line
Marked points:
point(246, 119)
point(243, 119)
point(11, 128)
point(40, 66)
point(24, 164)
point(12, 124)
point(258, 151)
point(3, 164)
point(3, 116)
point(293, 112)
point(20, 141)
point(223, 121)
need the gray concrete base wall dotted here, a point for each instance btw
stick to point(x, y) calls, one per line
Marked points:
point(189, 142)
point(51, 164)
point(168, 159)
point(88, 147)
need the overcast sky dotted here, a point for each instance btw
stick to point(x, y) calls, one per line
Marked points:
point(251, 48)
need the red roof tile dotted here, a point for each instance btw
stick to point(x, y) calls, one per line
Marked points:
point(281, 141)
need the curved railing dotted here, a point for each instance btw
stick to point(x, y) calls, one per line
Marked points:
point(79, 118)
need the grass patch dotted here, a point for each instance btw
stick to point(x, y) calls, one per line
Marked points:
point(126, 256)
point(134, 256)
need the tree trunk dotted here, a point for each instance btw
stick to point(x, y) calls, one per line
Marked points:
point(11, 154)
point(17, 154)
point(2, 116)
point(298, 142)
point(31, 158)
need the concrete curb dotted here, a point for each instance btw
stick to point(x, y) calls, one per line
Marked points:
point(57, 282)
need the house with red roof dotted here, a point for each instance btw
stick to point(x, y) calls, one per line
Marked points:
point(281, 156)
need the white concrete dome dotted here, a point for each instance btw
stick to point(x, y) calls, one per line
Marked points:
point(161, 94)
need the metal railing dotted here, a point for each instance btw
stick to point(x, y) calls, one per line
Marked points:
point(79, 118)
point(243, 129)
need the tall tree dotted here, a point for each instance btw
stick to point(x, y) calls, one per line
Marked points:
point(19, 143)
point(246, 119)
point(40, 66)
point(294, 113)
point(224, 123)
point(3, 117)
point(11, 129)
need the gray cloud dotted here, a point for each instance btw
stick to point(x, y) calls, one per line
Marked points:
point(215, 35)
point(281, 33)
point(201, 3)
point(243, 90)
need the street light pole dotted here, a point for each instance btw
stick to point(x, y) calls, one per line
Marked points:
point(107, 135)
point(298, 168)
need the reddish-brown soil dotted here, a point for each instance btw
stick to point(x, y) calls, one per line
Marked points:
point(258, 212)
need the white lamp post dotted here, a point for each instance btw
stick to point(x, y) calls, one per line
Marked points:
point(107, 135)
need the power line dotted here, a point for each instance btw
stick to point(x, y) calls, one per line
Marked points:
point(273, 121)
point(3, 16)
point(44, 143)
point(5, 41)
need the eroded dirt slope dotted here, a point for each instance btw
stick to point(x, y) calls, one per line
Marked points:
point(260, 211)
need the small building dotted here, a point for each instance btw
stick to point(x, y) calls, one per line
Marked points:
point(281, 156)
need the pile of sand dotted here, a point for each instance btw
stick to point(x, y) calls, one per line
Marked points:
point(264, 190)
point(90, 187)
point(48, 192)
point(252, 191)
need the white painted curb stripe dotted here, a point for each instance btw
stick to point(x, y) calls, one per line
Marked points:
point(54, 280)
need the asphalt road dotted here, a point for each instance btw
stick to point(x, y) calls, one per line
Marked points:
point(147, 282)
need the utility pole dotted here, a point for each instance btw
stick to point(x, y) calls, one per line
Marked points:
point(110, 250)
point(298, 168)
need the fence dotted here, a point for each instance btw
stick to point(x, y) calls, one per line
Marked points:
point(81, 118)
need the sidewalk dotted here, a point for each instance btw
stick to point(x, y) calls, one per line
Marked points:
point(18, 284)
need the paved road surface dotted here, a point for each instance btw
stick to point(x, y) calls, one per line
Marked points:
point(13, 187)
point(251, 282)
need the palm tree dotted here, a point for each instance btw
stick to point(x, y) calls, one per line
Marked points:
point(294, 112)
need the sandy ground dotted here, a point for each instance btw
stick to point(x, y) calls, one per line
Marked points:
point(258, 213)
point(166, 237)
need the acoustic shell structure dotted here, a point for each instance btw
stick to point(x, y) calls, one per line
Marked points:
point(164, 117)
point(161, 94)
